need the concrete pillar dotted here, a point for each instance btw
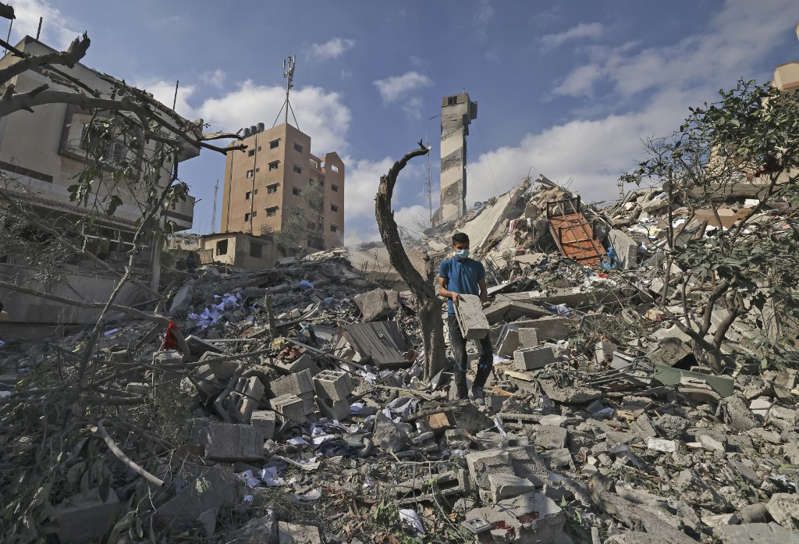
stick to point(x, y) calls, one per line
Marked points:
point(457, 111)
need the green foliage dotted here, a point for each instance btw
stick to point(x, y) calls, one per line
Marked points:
point(751, 135)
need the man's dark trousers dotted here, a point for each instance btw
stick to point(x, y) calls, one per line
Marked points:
point(484, 366)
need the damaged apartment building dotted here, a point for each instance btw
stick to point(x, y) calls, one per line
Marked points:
point(41, 154)
point(279, 200)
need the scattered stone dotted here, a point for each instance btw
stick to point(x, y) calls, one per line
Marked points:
point(234, 442)
point(297, 383)
point(533, 358)
point(86, 516)
point(659, 444)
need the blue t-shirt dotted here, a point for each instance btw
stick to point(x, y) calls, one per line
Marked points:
point(462, 277)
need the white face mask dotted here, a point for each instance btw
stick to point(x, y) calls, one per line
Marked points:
point(461, 253)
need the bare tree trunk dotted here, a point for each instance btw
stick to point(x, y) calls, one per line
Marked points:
point(430, 306)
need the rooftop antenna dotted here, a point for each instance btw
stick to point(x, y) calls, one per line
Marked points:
point(288, 73)
point(39, 30)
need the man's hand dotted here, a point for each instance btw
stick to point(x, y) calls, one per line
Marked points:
point(454, 297)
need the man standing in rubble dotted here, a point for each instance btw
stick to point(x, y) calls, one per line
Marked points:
point(461, 275)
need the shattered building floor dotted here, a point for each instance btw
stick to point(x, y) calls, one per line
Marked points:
point(287, 405)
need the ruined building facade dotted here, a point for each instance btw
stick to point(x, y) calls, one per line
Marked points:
point(275, 188)
point(41, 153)
point(457, 111)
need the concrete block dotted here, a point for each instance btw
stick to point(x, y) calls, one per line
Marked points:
point(531, 517)
point(212, 489)
point(303, 362)
point(472, 321)
point(762, 533)
point(506, 486)
point(293, 384)
point(533, 358)
point(508, 340)
point(335, 385)
point(265, 420)
point(661, 445)
point(198, 346)
point(234, 442)
point(528, 337)
point(290, 408)
point(626, 249)
point(482, 463)
point(290, 533)
point(548, 328)
point(251, 391)
point(377, 304)
point(333, 409)
point(550, 437)
point(86, 517)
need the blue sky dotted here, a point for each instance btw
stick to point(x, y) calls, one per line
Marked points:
point(567, 89)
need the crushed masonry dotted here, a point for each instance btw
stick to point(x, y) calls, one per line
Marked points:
point(300, 411)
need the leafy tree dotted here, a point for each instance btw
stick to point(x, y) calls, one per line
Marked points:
point(745, 144)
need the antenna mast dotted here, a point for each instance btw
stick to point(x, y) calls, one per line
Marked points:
point(288, 73)
point(213, 214)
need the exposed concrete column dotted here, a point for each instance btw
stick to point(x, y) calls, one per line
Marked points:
point(457, 112)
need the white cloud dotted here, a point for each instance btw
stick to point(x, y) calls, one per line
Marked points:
point(485, 12)
point(413, 107)
point(394, 87)
point(331, 49)
point(413, 219)
point(580, 81)
point(590, 154)
point(738, 37)
point(215, 78)
point(164, 92)
point(360, 187)
point(320, 113)
point(583, 30)
point(57, 28)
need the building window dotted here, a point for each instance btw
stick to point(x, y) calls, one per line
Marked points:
point(271, 212)
point(311, 181)
point(333, 228)
point(314, 163)
point(251, 152)
point(297, 169)
point(274, 143)
point(452, 100)
point(246, 218)
point(334, 168)
point(255, 250)
point(271, 188)
point(274, 165)
point(221, 247)
point(247, 195)
point(298, 147)
point(333, 208)
point(296, 191)
point(249, 174)
point(334, 188)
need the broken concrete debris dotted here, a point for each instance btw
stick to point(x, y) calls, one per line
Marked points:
point(600, 421)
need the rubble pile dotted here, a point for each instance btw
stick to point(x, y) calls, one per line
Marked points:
point(287, 405)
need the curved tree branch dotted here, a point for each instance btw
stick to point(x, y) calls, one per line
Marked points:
point(75, 52)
